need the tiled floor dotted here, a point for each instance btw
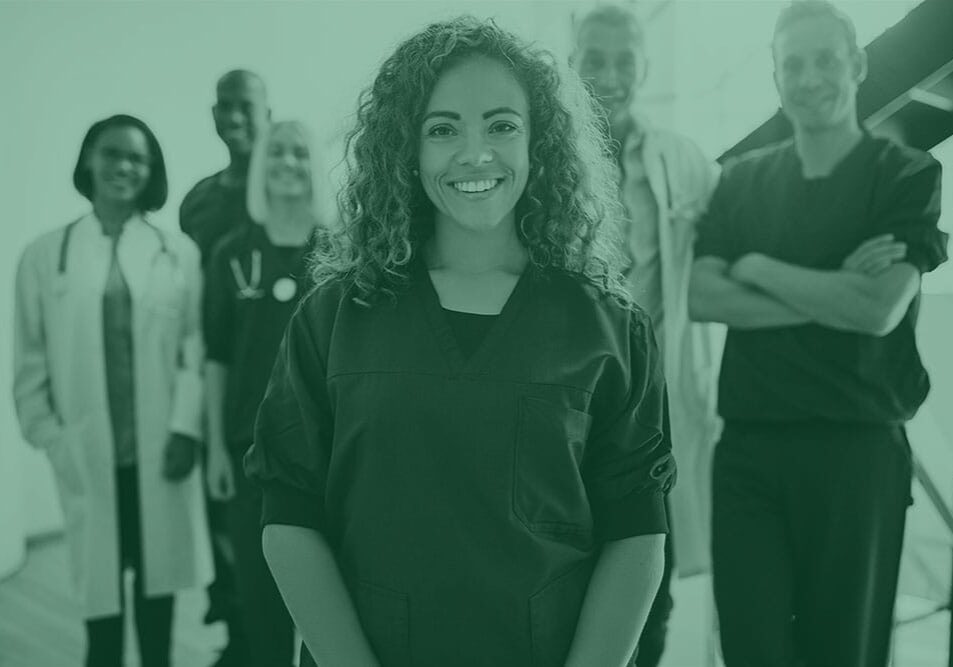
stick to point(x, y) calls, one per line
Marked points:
point(39, 626)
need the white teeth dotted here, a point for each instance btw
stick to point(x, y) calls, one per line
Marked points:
point(475, 186)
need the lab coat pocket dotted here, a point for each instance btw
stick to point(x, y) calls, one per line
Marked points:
point(549, 495)
point(166, 293)
point(65, 459)
point(66, 456)
point(59, 287)
point(554, 614)
point(165, 302)
point(385, 618)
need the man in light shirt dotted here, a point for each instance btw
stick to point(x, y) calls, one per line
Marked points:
point(665, 184)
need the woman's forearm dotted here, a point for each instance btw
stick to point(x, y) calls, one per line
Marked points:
point(623, 586)
point(314, 592)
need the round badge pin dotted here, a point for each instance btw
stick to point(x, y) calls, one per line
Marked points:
point(284, 289)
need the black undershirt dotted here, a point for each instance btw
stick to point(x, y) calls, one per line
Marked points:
point(469, 329)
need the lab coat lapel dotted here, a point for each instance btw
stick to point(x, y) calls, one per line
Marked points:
point(91, 516)
point(137, 250)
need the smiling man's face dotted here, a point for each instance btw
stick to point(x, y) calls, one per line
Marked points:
point(240, 112)
point(817, 74)
point(607, 59)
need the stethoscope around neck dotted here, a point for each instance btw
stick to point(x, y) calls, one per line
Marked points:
point(68, 232)
point(249, 288)
point(283, 290)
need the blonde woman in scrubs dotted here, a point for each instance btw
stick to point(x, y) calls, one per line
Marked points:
point(108, 383)
point(254, 280)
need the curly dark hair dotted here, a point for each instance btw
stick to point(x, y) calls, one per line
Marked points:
point(568, 217)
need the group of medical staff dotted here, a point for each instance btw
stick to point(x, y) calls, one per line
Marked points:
point(466, 414)
point(135, 400)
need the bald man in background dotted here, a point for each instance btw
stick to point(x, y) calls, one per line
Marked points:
point(215, 206)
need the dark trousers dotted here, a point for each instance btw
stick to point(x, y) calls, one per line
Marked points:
point(652, 641)
point(153, 616)
point(808, 525)
point(267, 627)
point(221, 592)
point(222, 603)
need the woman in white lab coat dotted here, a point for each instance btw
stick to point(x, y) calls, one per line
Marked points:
point(108, 358)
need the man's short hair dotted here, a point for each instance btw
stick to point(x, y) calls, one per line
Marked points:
point(240, 77)
point(610, 14)
point(809, 9)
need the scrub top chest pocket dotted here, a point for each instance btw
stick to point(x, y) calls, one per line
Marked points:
point(549, 495)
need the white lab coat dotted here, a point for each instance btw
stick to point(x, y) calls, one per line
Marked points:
point(682, 181)
point(61, 399)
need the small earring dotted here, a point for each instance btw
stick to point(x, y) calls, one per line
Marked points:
point(416, 173)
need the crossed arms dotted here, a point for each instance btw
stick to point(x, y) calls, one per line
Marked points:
point(869, 294)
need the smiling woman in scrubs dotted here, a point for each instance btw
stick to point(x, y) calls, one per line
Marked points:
point(254, 280)
point(463, 445)
point(108, 382)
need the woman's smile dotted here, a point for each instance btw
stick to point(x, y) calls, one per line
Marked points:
point(476, 190)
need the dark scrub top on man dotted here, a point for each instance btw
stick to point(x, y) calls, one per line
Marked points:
point(813, 372)
point(812, 475)
point(466, 496)
point(212, 209)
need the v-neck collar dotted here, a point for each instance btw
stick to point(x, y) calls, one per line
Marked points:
point(457, 362)
point(856, 153)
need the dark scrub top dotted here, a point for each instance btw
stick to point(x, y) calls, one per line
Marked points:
point(243, 328)
point(466, 498)
point(212, 209)
point(811, 372)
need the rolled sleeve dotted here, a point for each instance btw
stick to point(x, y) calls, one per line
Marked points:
point(188, 399)
point(289, 456)
point(629, 465)
point(286, 505)
point(912, 211)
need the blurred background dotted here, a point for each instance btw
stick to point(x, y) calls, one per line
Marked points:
point(64, 65)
